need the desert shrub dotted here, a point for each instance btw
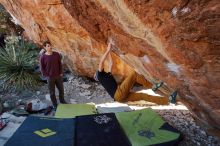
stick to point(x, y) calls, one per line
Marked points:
point(17, 62)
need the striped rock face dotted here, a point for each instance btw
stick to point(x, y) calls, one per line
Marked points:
point(175, 41)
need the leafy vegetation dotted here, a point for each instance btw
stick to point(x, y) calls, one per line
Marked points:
point(17, 62)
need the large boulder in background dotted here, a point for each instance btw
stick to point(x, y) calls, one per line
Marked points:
point(176, 41)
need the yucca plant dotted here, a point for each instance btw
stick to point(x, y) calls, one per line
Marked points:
point(17, 62)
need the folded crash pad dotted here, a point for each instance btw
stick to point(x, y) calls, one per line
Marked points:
point(145, 127)
point(73, 110)
point(99, 130)
point(40, 131)
point(112, 107)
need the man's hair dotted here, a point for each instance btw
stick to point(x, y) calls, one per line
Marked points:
point(46, 42)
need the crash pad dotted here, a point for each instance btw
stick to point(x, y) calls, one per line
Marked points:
point(73, 110)
point(99, 130)
point(146, 127)
point(42, 131)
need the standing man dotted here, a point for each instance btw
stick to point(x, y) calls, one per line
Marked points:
point(51, 68)
point(121, 93)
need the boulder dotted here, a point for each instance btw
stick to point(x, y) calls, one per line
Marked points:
point(174, 41)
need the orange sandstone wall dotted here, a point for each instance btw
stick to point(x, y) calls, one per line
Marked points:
point(176, 41)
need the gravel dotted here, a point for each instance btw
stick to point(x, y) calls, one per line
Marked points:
point(193, 135)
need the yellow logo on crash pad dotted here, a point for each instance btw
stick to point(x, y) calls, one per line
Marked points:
point(45, 132)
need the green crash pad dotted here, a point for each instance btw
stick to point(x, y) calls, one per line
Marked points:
point(73, 110)
point(145, 127)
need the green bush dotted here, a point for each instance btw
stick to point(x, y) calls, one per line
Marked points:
point(17, 62)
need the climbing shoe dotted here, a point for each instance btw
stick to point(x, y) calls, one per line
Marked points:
point(54, 107)
point(63, 102)
point(172, 97)
point(157, 86)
